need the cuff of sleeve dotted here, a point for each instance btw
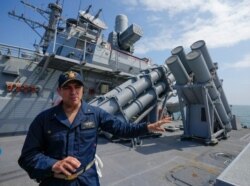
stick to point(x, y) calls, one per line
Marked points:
point(146, 127)
point(51, 162)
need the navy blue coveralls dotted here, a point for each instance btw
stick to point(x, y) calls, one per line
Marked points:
point(51, 138)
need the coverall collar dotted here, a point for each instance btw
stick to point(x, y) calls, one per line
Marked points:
point(80, 116)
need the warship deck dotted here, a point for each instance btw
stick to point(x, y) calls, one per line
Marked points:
point(164, 160)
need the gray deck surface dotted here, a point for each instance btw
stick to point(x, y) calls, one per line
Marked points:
point(165, 160)
point(237, 173)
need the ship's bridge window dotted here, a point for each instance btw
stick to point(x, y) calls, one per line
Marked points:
point(80, 43)
point(91, 28)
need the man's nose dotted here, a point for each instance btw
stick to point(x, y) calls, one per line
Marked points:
point(73, 90)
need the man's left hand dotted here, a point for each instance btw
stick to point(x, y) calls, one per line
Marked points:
point(156, 127)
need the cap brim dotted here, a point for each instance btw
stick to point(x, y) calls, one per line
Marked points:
point(67, 81)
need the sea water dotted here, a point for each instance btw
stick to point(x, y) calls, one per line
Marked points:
point(243, 113)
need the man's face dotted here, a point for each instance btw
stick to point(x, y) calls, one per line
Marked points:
point(71, 93)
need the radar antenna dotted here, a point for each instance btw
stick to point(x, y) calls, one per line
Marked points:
point(52, 16)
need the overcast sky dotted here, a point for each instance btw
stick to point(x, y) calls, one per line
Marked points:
point(224, 25)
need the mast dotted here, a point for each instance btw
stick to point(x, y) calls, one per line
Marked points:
point(53, 16)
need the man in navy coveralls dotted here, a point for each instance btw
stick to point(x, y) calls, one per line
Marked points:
point(60, 146)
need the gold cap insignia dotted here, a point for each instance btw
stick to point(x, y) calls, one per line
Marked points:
point(71, 75)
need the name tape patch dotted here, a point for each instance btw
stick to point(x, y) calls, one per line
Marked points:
point(87, 125)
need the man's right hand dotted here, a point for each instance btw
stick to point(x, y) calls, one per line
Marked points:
point(66, 166)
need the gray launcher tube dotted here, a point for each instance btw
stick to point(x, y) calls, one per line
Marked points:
point(224, 101)
point(202, 75)
point(131, 92)
point(201, 45)
point(119, 88)
point(116, 90)
point(171, 78)
point(179, 51)
point(178, 70)
point(198, 65)
point(144, 100)
point(218, 85)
